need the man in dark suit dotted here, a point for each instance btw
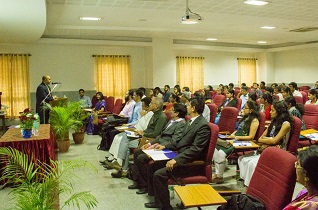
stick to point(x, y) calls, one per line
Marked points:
point(192, 146)
point(170, 135)
point(43, 94)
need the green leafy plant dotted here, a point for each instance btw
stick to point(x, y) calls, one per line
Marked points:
point(37, 186)
point(26, 119)
point(78, 115)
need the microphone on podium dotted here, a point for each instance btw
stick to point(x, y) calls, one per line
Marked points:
point(55, 83)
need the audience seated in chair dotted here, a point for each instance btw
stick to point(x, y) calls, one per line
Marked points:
point(246, 132)
point(231, 101)
point(307, 175)
point(170, 135)
point(295, 109)
point(154, 128)
point(277, 134)
point(84, 100)
point(312, 96)
point(92, 120)
point(266, 103)
point(192, 146)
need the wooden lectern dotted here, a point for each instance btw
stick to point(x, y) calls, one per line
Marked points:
point(59, 102)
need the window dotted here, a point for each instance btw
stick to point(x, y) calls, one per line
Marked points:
point(15, 82)
point(247, 71)
point(190, 72)
point(112, 74)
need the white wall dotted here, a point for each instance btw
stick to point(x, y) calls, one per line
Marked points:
point(73, 65)
point(300, 65)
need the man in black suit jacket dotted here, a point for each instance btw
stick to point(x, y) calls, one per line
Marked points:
point(192, 146)
point(170, 135)
point(43, 92)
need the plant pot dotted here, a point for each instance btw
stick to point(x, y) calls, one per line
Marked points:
point(78, 137)
point(58, 138)
point(63, 145)
point(26, 133)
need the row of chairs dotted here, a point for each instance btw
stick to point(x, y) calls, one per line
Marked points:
point(275, 168)
point(110, 105)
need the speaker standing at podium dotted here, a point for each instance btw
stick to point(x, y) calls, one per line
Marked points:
point(44, 95)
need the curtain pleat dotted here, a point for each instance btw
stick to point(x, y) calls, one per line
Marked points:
point(247, 70)
point(190, 72)
point(112, 75)
point(15, 82)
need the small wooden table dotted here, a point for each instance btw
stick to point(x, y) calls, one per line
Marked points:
point(199, 195)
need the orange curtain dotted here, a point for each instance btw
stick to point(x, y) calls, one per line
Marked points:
point(247, 70)
point(112, 74)
point(190, 72)
point(15, 82)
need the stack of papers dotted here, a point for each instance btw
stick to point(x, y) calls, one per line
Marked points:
point(312, 136)
point(165, 154)
point(132, 134)
point(242, 143)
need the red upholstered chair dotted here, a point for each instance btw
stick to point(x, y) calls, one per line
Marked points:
point(305, 96)
point(236, 92)
point(258, 101)
point(299, 100)
point(110, 103)
point(118, 105)
point(294, 138)
point(303, 88)
point(276, 97)
point(94, 100)
point(213, 110)
point(238, 103)
point(228, 119)
point(218, 100)
point(310, 118)
point(168, 115)
point(205, 177)
point(274, 179)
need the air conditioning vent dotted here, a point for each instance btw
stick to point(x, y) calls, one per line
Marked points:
point(304, 29)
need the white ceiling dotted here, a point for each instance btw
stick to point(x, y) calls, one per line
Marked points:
point(230, 21)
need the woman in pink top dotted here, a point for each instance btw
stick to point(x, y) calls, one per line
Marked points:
point(307, 175)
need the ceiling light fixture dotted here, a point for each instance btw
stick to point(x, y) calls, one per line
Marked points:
point(261, 42)
point(211, 39)
point(90, 18)
point(256, 2)
point(190, 17)
point(268, 27)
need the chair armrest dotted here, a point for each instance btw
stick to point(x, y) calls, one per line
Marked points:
point(224, 132)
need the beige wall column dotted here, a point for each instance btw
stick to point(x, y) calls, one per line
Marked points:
point(164, 62)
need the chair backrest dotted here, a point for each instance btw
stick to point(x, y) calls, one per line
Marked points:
point(236, 92)
point(310, 116)
point(305, 96)
point(205, 177)
point(118, 105)
point(261, 126)
point(110, 103)
point(299, 100)
point(238, 103)
point(218, 100)
point(294, 138)
point(168, 115)
point(213, 110)
point(274, 178)
point(94, 100)
point(228, 119)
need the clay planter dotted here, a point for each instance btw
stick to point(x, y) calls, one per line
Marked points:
point(78, 137)
point(64, 145)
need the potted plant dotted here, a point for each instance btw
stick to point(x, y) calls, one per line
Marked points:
point(27, 119)
point(78, 115)
point(61, 122)
point(38, 185)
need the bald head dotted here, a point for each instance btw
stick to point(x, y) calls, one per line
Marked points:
point(46, 79)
